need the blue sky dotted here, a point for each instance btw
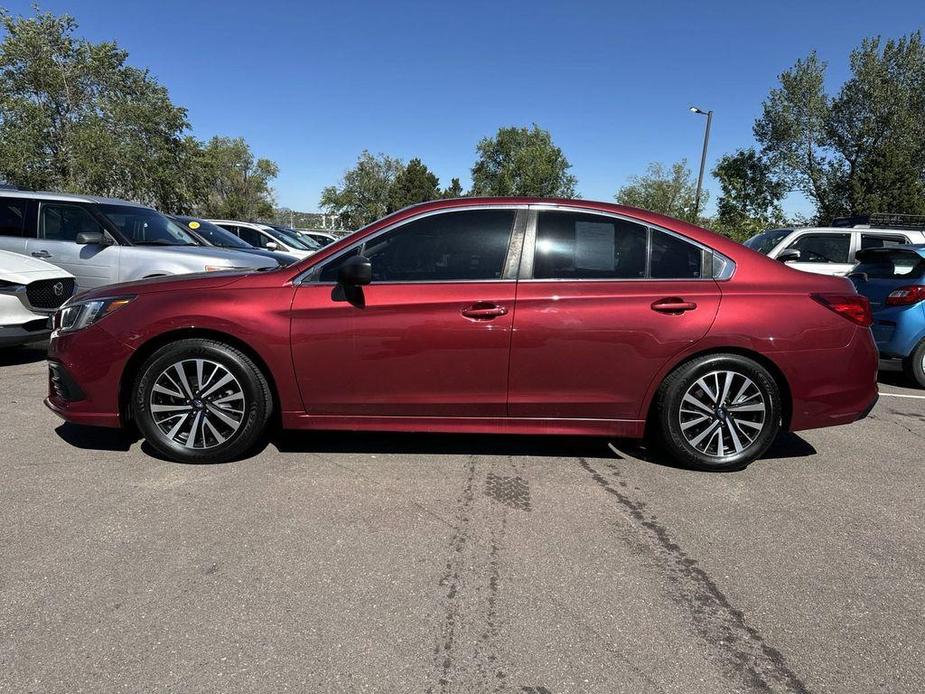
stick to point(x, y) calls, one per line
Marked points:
point(310, 85)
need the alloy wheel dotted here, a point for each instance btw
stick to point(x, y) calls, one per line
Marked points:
point(722, 413)
point(197, 403)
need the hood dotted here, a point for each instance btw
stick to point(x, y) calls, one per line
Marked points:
point(221, 256)
point(13, 264)
point(202, 280)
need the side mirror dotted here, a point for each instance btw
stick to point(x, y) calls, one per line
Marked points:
point(272, 246)
point(87, 238)
point(356, 272)
point(788, 255)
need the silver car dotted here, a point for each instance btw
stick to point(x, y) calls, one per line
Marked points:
point(102, 241)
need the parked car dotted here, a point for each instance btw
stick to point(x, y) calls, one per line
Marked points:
point(893, 279)
point(492, 315)
point(322, 238)
point(828, 250)
point(101, 241)
point(210, 234)
point(31, 291)
point(267, 237)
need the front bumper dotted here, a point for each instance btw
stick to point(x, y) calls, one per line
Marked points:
point(85, 371)
point(24, 333)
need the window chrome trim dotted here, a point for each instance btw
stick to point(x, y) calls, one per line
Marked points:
point(308, 276)
point(726, 273)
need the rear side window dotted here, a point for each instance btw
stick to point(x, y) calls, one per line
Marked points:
point(882, 241)
point(12, 215)
point(908, 266)
point(573, 245)
point(587, 246)
point(823, 248)
point(60, 222)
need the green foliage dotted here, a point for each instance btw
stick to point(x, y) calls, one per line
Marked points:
point(670, 191)
point(74, 117)
point(521, 161)
point(363, 194)
point(237, 183)
point(454, 190)
point(863, 150)
point(751, 195)
point(414, 183)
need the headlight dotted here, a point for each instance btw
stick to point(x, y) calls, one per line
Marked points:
point(82, 314)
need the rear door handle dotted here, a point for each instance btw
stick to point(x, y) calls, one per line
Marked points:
point(483, 310)
point(41, 254)
point(673, 305)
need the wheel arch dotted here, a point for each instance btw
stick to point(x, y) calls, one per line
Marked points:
point(776, 372)
point(134, 363)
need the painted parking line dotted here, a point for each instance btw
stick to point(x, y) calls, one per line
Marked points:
point(903, 395)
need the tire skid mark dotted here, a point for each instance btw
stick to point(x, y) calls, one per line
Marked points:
point(739, 646)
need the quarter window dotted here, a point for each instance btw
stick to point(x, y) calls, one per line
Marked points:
point(65, 222)
point(12, 214)
point(453, 246)
point(823, 248)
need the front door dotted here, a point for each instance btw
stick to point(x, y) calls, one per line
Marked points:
point(429, 337)
point(824, 252)
point(94, 265)
point(606, 302)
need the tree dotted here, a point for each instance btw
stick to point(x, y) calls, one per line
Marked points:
point(454, 190)
point(863, 150)
point(413, 184)
point(363, 194)
point(237, 183)
point(75, 117)
point(751, 195)
point(521, 161)
point(668, 191)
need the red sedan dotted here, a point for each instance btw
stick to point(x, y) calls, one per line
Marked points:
point(497, 315)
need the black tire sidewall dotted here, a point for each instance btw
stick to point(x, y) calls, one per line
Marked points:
point(915, 369)
point(252, 382)
point(677, 383)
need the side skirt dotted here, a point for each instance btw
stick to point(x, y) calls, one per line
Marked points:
point(622, 428)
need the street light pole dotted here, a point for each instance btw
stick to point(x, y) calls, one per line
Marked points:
point(703, 157)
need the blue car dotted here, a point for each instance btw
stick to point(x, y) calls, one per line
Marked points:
point(893, 278)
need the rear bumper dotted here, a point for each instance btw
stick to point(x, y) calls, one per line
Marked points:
point(899, 330)
point(832, 386)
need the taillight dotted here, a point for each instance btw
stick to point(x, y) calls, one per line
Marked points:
point(854, 307)
point(905, 296)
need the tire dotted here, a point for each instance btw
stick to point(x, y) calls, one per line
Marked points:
point(735, 431)
point(914, 365)
point(201, 401)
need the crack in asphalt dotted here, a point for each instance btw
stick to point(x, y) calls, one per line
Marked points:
point(739, 646)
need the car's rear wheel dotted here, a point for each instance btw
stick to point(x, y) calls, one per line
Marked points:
point(718, 412)
point(914, 365)
point(201, 401)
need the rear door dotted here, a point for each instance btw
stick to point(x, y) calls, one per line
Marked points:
point(429, 337)
point(602, 302)
point(59, 223)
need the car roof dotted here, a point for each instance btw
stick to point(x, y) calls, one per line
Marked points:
point(863, 229)
point(67, 197)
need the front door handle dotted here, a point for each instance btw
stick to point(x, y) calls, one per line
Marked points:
point(41, 254)
point(673, 304)
point(483, 310)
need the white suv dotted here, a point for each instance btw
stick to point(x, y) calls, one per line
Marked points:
point(828, 250)
point(30, 291)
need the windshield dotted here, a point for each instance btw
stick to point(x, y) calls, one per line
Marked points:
point(290, 240)
point(143, 226)
point(766, 240)
point(213, 233)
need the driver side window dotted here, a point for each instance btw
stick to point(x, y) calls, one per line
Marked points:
point(823, 248)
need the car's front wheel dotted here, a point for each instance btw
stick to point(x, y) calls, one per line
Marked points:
point(718, 412)
point(201, 401)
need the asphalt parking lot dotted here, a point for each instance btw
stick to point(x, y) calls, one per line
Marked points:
point(401, 563)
